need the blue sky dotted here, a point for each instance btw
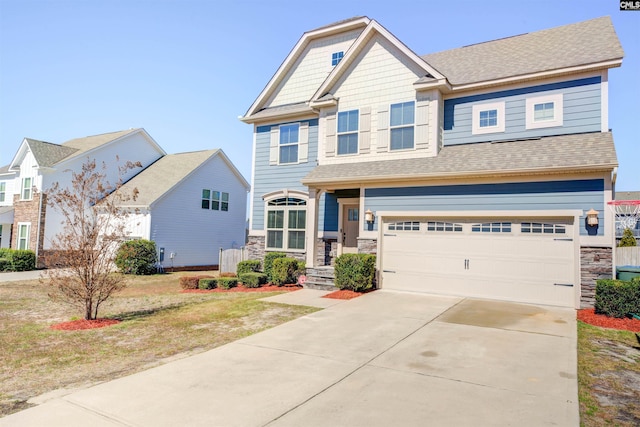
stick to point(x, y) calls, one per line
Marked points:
point(185, 70)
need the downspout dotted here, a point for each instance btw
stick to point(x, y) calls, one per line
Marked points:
point(38, 232)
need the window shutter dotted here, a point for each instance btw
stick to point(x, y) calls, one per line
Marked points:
point(383, 129)
point(303, 143)
point(330, 134)
point(365, 130)
point(422, 124)
point(273, 147)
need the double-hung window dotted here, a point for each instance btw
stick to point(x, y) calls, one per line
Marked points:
point(544, 111)
point(487, 118)
point(3, 190)
point(348, 132)
point(286, 223)
point(26, 193)
point(289, 137)
point(23, 235)
point(401, 125)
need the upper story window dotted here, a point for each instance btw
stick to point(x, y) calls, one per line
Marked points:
point(487, 118)
point(401, 124)
point(215, 200)
point(348, 132)
point(544, 111)
point(3, 190)
point(27, 191)
point(336, 57)
point(286, 223)
point(289, 137)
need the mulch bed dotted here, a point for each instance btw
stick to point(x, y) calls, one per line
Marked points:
point(240, 288)
point(77, 325)
point(344, 294)
point(589, 316)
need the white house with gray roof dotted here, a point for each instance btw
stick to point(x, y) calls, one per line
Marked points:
point(26, 222)
point(481, 171)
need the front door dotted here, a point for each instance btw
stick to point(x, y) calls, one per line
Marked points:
point(350, 221)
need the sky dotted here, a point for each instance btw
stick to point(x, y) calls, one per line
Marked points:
point(185, 70)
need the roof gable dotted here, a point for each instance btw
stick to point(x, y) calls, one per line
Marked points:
point(576, 45)
point(46, 154)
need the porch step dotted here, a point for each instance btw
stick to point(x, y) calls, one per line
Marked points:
point(320, 278)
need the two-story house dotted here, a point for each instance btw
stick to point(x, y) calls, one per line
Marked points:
point(481, 171)
point(170, 209)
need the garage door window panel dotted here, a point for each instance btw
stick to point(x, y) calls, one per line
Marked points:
point(449, 227)
point(491, 227)
point(543, 228)
point(404, 226)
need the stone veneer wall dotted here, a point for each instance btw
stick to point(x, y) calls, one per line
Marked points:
point(32, 212)
point(326, 250)
point(368, 246)
point(256, 249)
point(595, 263)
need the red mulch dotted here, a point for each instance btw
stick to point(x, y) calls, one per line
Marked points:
point(240, 288)
point(589, 316)
point(76, 325)
point(344, 294)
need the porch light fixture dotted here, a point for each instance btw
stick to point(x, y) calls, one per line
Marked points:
point(592, 217)
point(368, 216)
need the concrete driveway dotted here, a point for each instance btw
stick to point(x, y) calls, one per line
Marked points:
point(384, 359)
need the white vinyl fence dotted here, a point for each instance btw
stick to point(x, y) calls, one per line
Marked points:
point(628, 256)
point(229, 259)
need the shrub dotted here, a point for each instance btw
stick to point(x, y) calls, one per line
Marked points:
point(268, 263)
point(191, 282)
point(137, 257)
point(355, 272)
point(5, 253)
point(207, 284)
point(286, 270)
point(617, 298)
point(628, 239)
point(23, 260)
point(252, 279)
point(5, 264)
point(227, 282)
point(249, 266)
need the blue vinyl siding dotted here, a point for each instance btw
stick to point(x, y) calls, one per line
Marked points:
point(270, 178)
point(550, 195)
point(328, 212)
point(582, 112)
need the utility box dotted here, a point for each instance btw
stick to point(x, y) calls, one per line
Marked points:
point(627, 272)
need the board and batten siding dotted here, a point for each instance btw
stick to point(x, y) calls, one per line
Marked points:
point(195, 235)
point(541, 196)
point(581, 112)
point(269, 178)
point(311, 68)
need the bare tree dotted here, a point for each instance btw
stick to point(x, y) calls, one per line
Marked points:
point(92, 227)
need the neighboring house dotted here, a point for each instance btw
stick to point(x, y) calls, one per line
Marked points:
point(468, 172)
point(28, 223)
point(627, 195)
point(190, 205)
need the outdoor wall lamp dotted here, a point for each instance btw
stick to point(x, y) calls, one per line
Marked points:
point(368, 216)
point(592, 217)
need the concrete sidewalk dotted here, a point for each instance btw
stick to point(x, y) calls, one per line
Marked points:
point(381, 359)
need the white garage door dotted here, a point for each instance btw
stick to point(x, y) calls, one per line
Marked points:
point(524, 260)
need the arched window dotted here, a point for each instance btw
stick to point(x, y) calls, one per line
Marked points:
point(286, 222)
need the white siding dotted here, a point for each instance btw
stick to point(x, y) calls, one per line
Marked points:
point(195, 235)
point(9, 186)
point(380, 76)
point(311, 69)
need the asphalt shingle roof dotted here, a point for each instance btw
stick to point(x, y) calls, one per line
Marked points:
point(48, 154)
point(571, 45)
point(578, 151)
point(90, 142)
point(164, 174)
point(627, 195)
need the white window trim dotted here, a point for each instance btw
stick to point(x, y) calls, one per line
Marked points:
point(28, 236)
point(22, 188)
point(557, 120)
point(351, 132)
point(3, 192)
point(413, 125)
point(475, 121)
point(285, 229)
point(288, 145)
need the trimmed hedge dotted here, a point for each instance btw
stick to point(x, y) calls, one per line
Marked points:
point(23, 260)
point(252, 279)
point(286, 271)
point(5, 264)
point(268, 263)
point(192, 282)
point(137, 257)
point(355, 272)
point(617, 298)
point(207, 283)
point(249, 266)
point(227, 282)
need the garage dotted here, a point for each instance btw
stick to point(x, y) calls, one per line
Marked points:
point(530, 260)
